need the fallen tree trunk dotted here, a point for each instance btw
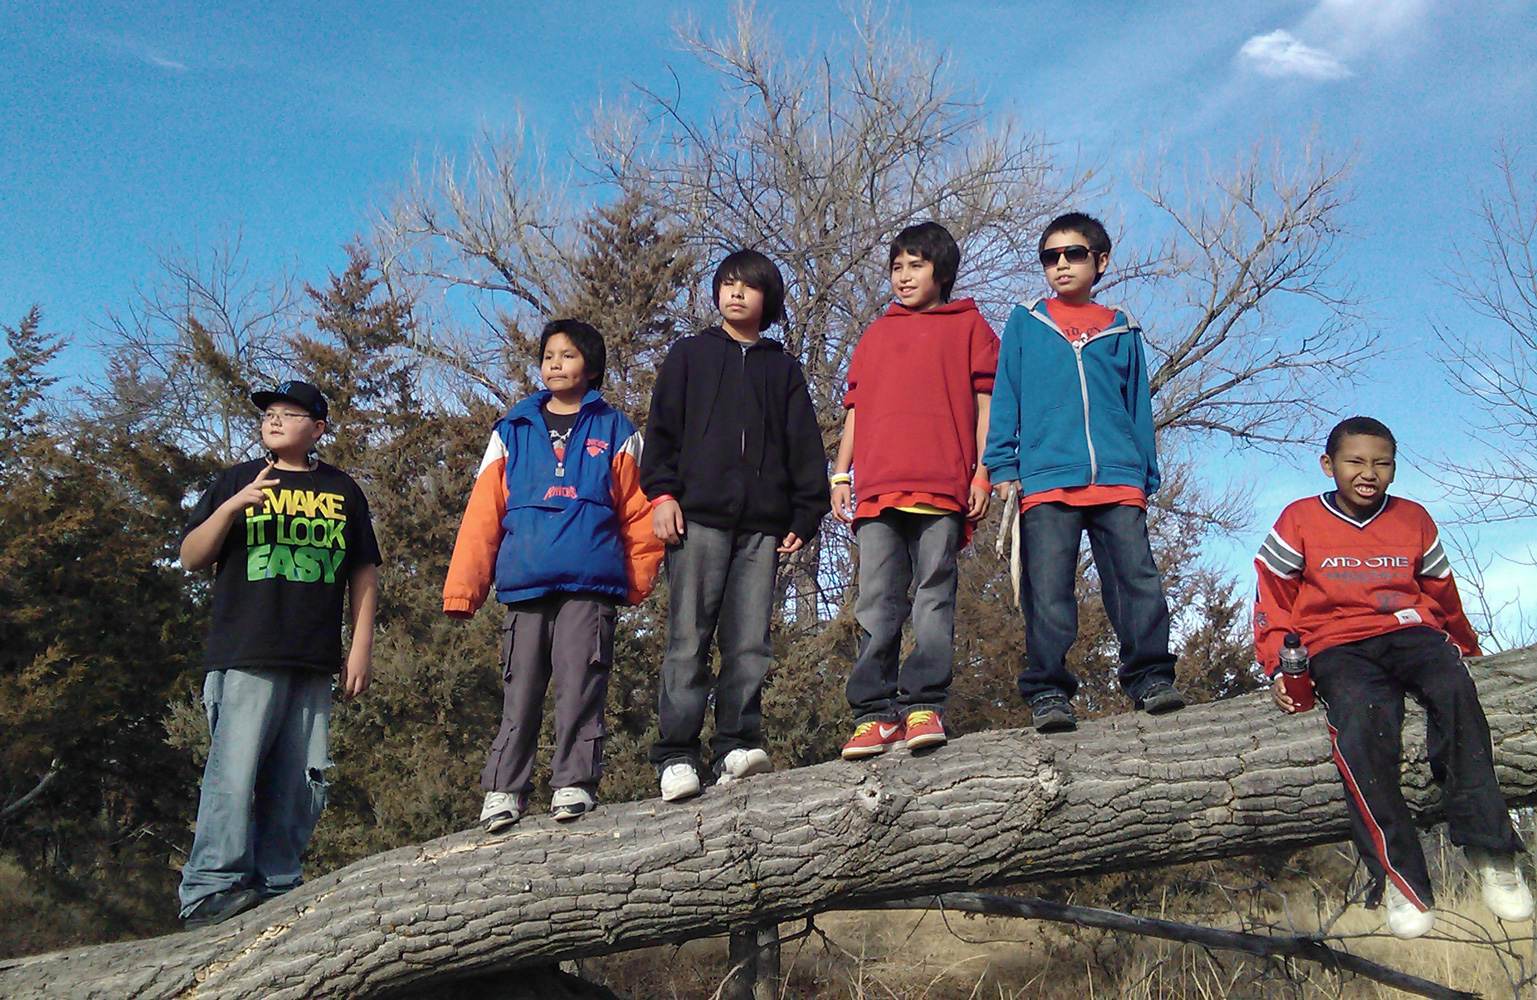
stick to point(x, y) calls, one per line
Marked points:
point(1129, 791)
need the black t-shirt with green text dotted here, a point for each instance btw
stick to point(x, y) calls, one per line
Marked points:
point(281, 575)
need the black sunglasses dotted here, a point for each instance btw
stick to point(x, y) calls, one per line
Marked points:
point(1075, 254)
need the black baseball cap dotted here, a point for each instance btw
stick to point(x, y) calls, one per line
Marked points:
point(301, 394)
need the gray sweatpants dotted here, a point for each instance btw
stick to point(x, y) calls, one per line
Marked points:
point(567, 639)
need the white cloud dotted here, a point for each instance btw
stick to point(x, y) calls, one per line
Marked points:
point(156, 59)
point(1279, 54)
point(133, 48)
point(1332, 32)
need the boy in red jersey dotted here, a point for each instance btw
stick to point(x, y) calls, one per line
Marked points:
point(1361, 577)
point(920, 382)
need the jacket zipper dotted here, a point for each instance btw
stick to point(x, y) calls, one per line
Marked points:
point(742, 445)
point(1083, 388)
point(560, 463)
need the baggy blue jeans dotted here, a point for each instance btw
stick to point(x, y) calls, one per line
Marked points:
point(264, 784)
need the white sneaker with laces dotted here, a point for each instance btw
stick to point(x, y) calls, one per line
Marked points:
point(1505, 891)
point(569, 803)
point(679, 781)
point(1405, 920)
point(744, 762)
point(501, 810)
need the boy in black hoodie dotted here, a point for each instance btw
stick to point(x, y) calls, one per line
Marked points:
point(736, 474)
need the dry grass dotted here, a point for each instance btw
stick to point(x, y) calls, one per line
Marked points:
point(904, 955)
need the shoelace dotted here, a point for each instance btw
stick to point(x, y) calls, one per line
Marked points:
point(1502, 877)
point(920, 718)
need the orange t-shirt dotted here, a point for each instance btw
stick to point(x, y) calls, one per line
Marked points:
point(1078, 323)
point(916, 503)
point(912, 502)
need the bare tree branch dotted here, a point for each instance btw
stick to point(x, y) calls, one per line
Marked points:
point(1494, 274)
point(15, 807)
point(1260, 324)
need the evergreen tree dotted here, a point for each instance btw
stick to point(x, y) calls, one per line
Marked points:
point(93, 616)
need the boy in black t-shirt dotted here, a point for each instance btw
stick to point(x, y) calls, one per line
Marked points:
point(287, 536)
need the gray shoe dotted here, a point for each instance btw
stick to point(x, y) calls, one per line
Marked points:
point(219, 907)
point(1160, 698)
point(1053, 714)
point(501, 810)
point(569, 803)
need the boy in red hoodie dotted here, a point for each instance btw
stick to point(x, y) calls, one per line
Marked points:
point(920, 382)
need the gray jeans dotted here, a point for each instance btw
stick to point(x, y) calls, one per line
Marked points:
point(896, 551)
point(567, 640)
point(720, 584)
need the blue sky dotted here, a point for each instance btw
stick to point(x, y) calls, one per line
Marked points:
point(136, 129)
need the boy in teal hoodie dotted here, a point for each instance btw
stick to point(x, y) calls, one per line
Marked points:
point(1072, 429)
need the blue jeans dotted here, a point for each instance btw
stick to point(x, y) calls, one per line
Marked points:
point(264, 784)
point(721, 584)
point(1129, 583)
point(895, 549)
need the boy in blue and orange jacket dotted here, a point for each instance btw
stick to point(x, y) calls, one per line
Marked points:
point(1072, 427)
point(558, 519)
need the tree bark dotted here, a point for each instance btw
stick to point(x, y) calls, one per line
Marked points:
point(1008, 806)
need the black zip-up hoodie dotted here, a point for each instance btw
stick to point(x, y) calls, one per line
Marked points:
point(732, 436)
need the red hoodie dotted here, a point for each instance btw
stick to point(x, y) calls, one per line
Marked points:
point(913, 380)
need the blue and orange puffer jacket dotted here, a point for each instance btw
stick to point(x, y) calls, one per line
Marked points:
point(533, 531)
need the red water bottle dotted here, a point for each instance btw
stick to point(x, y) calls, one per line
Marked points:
point(1296, 682)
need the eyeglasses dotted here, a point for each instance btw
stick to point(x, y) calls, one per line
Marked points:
point(282, 416)
point(1075, 254)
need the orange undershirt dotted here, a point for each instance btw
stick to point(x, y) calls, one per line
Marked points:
point(915, 503)
point(1079, 323)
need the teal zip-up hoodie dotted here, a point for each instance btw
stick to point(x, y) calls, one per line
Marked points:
point(1070, 413)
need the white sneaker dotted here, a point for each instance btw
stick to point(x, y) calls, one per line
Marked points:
point(1505, 891)
point(501, 810)
point(1405, 920)
point(744, 762)
point(679, 781)
point(569, 803)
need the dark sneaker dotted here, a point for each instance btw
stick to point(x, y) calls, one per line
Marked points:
point(220, 907)
point(1053, 714)
point(1160, 698)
